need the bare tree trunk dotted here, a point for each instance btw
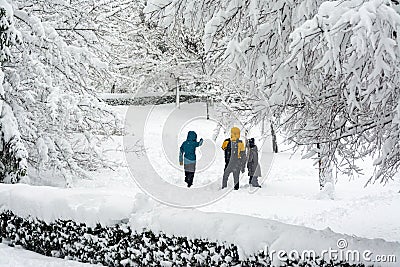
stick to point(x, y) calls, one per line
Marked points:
point(2, 226)
point(207, 103)
point(324, 167)
point(178, 105)
point(320, 174)
point(274, 142)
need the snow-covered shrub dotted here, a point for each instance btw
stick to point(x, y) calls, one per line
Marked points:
point(114, 245)
point(118, 246)
point(153, 100)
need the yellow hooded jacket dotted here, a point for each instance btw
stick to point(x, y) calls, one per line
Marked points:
point(235, 135)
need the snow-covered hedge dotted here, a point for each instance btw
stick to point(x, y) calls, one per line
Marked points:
point(149, 100)
point(118, 245)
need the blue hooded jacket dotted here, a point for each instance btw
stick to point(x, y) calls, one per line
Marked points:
point(187, 153)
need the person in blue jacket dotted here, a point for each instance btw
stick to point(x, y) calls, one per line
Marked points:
point(187, 156)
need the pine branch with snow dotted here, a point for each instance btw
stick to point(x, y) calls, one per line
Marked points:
point(13, 154)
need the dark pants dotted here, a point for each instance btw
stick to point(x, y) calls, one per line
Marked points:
point(254, 181)
point(189, 178)
point(228, 170)
point(190, 169)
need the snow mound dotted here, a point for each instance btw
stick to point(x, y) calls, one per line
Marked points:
point(90, 206)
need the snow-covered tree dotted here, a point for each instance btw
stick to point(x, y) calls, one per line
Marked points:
point(249, 36)
point(12, 150)
point(139, 54)
point(48, 88)
point(347, 59)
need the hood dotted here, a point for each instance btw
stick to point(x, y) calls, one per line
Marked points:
point(192, 136)
point(251, 142)
point(235, 133)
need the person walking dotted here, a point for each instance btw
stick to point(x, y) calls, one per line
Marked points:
point(235, 158)
point(187, 156)
point(252, 164)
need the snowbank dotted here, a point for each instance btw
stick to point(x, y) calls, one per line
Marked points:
point(88, 206)
point(248, 233)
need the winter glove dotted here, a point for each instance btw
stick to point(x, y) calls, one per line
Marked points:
point(242, 170)
point(200, 142)
point(181, 163)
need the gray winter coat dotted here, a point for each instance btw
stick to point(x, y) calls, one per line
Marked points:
point(252, 164)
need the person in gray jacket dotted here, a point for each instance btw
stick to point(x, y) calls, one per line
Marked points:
point(252, 164)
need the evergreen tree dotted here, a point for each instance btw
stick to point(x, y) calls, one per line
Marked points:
point(13, 153)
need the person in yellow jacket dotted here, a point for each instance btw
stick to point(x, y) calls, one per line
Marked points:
point(235, 157)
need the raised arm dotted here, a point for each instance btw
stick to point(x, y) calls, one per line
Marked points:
point(200, 142)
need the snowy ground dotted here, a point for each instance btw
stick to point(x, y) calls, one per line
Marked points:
point(290, 192)
point(18, 257)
